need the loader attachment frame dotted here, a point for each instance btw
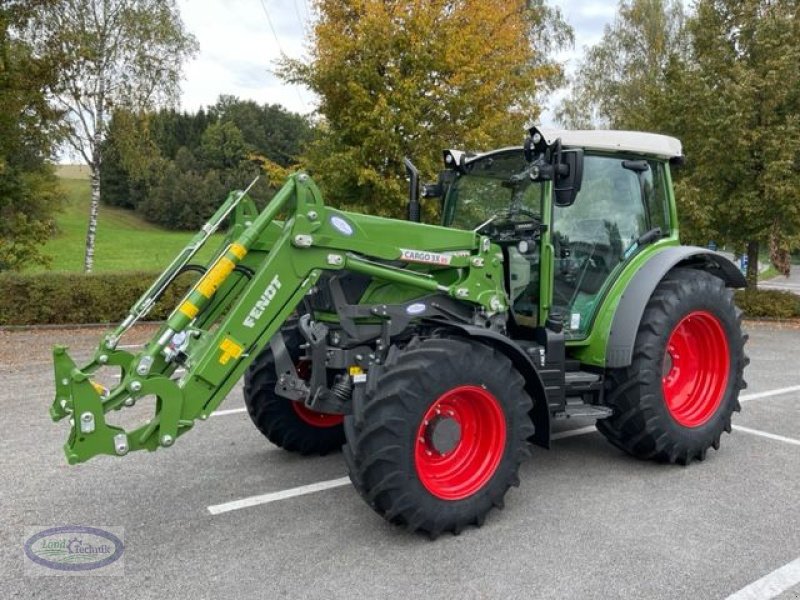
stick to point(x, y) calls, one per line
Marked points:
point(251, 286)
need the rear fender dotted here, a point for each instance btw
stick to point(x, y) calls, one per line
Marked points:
point(628, 315)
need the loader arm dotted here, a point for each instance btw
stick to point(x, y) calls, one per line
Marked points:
point(255, 281)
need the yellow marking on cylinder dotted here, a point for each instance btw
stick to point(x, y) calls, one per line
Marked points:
point(238, 250)
point(215, 277)
point(230, 349)
point(355, 370)
point(189, 309)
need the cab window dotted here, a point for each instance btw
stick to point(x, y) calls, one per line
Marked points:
point(594, 236)
point(483, 191)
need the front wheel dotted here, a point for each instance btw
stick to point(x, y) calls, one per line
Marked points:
point(440, 435)
point(286, 423)
point(676, 398)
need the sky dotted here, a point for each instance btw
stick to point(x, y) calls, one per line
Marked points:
point(240, 40)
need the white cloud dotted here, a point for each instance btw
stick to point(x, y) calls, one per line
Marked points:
point(238, 51)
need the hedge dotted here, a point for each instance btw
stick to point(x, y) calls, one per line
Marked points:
point(61, 298)
point(768, 304)
point(65, 298)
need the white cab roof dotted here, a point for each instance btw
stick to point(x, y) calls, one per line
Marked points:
point(606, 140)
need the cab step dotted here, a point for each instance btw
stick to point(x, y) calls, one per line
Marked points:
point(587, 411)
point(581, 379)
point(583, 393)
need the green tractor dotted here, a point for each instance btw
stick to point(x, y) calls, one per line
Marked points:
point(556, 287)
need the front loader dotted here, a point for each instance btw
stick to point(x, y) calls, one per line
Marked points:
point(556, 287)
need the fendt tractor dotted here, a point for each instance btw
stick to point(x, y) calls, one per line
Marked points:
point(555, 287)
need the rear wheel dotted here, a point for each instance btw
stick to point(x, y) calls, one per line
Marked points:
point(439, 438)
point(286, 423)
point(678, 395)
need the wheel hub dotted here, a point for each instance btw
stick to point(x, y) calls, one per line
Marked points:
point(442, 435)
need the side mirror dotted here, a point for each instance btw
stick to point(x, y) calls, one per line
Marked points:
point(432, 190)
point(441, 187)
point(569, 175)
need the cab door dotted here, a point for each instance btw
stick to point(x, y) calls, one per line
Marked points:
point(621, 199)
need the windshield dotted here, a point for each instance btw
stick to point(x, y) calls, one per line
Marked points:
point(492, 186)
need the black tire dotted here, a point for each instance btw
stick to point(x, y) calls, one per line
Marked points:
point(277, 417)
point(643, 424)
point(383, 434)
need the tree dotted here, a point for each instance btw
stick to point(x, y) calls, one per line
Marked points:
point(411, 77)
point(622, 79)
point(29, 192)
point(170, 166)
point(222, 146)
point(118, 53)
point(741, 103)
point(270, 130)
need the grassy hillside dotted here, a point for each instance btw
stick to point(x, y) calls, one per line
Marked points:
point(124, 241)
point(72, 171)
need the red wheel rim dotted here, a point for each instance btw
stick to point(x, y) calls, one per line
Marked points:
point(696, 369)
point(308, 416)
point(314, 418)
point(457, 472)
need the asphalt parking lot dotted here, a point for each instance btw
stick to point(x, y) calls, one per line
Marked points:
point(587, 521)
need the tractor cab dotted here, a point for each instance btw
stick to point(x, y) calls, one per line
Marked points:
point(570, 214)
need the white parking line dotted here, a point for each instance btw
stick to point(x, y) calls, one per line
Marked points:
point(217, 509)
point(772, 584)
point(766, 434)
point(769, 393)
point(229, 411)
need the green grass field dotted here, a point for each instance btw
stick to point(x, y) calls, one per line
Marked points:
point(125, 242)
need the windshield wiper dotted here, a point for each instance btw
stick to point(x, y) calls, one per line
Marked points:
point(485, 223)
